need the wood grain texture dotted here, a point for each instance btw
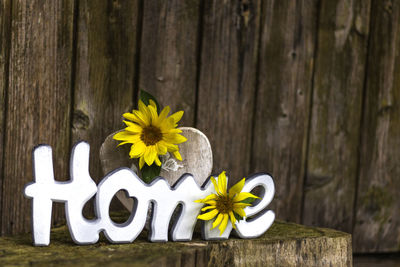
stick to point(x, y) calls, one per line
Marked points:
point(377, 260)
point(377, 225)
point(287, 244)
point(106, 55)
point(168, 54)
point(283, 245)
point(39, 94)
point(339, 73)
point(243, 72)
point(5, 37)
point(227, 82)
point(282, 108)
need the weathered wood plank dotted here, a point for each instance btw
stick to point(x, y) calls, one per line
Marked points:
point(106, 55)
point(377, 260)
point(168, 54)
point(5, 25)
point(339, 73)
point(39, 94)
point(377, 225)
point(284, 244)
point(282, 108)
point(227, 82)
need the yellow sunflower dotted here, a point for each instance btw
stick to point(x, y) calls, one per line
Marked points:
point(151, 134)
point(224, 205)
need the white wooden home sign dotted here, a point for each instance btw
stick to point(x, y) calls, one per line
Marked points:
point(80, 188)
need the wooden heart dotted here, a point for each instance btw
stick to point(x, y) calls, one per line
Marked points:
point(196, 153)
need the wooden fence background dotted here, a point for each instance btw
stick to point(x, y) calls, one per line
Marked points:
point(307, 90)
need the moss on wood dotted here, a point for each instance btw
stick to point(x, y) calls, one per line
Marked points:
point(283, 244)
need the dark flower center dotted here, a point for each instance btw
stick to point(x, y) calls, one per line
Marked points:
point(224, 204)
point(151, 135)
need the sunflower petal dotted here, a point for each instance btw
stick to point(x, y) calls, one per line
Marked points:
point(223, 224)
point(175, 130)
point(123, 143)
point(241, 205)
point(134, 129)
point(211, 202)
point(141, 162)
point(129, 116)
point(133, 124)
point(215, 184)
point(135, 117)
point(161, 148)
point(177, 116)
point(143, 119)
point(137, 150)
point(170, 147)
point(134, 138)
point(208, 208)
point(144, 110)
point(242, 196)
point(142, 107)
point(222, 183)
point(208, 216)
point(123, 136)
point(166, 125)
point(240, 212)
point(237, 188)
point(217, 221)
point(233, 219)
point(153, 115)
point(152, 103)
point(150, 155)
point(177, 155)
point(163, 114)
point(174, 138)
point(157, 160)
point(210, 197)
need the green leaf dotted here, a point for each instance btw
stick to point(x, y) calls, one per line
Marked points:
point(145, 97)
point(237, 216)
point(248, 200)
point(150, 172)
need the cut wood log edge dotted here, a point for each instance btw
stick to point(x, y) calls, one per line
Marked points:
point(284, 244)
